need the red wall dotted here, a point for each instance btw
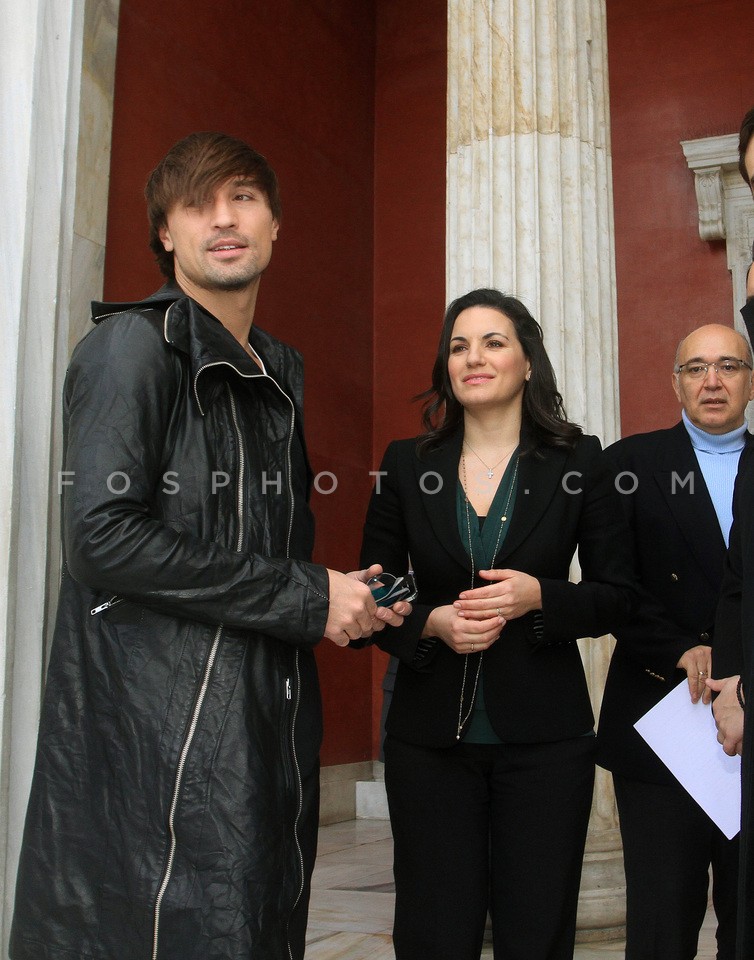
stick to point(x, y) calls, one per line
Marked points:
point(360, 243)
point(678, 71)
point(409, 191)
point(295, 79)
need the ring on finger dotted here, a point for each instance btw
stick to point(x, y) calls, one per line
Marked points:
point(497, 611)
point(473, 647)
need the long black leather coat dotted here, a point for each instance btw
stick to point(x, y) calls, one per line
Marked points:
point(174, 804)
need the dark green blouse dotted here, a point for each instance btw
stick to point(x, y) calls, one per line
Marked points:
point(487, 535)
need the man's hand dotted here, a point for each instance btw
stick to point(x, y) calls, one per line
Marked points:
point(697, 662)
point(391, 616)
point(353, 613)
point(386, 616)
point(729, 716)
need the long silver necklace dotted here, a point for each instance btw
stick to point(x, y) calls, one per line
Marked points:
point(490, 469)
point(503, 520)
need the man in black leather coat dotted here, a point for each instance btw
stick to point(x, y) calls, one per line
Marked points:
point(174, 806)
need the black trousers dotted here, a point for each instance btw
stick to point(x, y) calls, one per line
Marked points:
point(669, 843)
point(478, 826)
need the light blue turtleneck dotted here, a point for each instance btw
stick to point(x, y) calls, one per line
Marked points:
point(718, 455)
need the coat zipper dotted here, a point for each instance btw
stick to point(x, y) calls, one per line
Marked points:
point(241, 470)
point(265, 376)
point(297, 700)
point(112, 602)
point(213, 654)
point(300, 789)
point(177, 787)
point(203, 690)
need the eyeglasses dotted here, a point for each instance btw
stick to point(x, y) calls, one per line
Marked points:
point(725, 369)
point(388, 589)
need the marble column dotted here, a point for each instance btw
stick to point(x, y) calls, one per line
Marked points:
point(57, 60)
point(529, 202)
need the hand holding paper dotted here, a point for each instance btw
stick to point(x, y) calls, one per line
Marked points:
point(684, 737)
point(729, 715)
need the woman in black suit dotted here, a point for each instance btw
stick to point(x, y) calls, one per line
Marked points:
point(489, 755)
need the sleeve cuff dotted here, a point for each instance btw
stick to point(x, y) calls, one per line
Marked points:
point(423, 648)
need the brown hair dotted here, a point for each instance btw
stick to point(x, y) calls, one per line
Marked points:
point(745, 135)
point(193, 168)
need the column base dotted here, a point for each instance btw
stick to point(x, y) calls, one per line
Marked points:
point(602, 898)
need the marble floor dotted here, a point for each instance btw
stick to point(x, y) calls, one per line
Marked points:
point(352, 903)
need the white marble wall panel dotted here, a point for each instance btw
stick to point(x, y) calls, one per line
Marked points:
point(37, 115)
point(97, 80)
point(52, 182)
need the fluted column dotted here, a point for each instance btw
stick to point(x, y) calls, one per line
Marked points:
point(57, 66)
point(530, 212)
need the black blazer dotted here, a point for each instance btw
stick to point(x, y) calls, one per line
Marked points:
point(735, 624)
point(534, 683)
point(679, 556)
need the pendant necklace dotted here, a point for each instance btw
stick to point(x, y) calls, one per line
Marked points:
point(503, 520)
point(490, 470)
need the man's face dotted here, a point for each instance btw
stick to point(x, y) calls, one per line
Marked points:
point(223, 242)
point(713, 403)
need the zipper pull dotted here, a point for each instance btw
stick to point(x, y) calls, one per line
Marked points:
point(287, 688)
point(112, 602)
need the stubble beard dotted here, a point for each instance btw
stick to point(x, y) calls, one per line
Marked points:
point(215, 279)
point(230, 283)
point(231, 278)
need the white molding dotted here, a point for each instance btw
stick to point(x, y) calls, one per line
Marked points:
point(711, 151)
point(726, 211)
point(709, 158)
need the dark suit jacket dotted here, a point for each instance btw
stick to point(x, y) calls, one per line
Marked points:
point(735, 624)
point(679, 556)
point(534, 683)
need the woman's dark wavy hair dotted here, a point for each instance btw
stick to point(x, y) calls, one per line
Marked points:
point(544, 418)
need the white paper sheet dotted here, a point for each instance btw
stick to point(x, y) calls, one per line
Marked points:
point(684, 737)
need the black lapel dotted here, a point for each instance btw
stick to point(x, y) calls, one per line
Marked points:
point(540, 473)
point(442, 465)
point(539, 476)
point(681, 483)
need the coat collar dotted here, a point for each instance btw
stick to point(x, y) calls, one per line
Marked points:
point(539, 476)
point(188, 327)
point(691, 506)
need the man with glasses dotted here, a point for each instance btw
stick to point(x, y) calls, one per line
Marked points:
point(678, 489)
